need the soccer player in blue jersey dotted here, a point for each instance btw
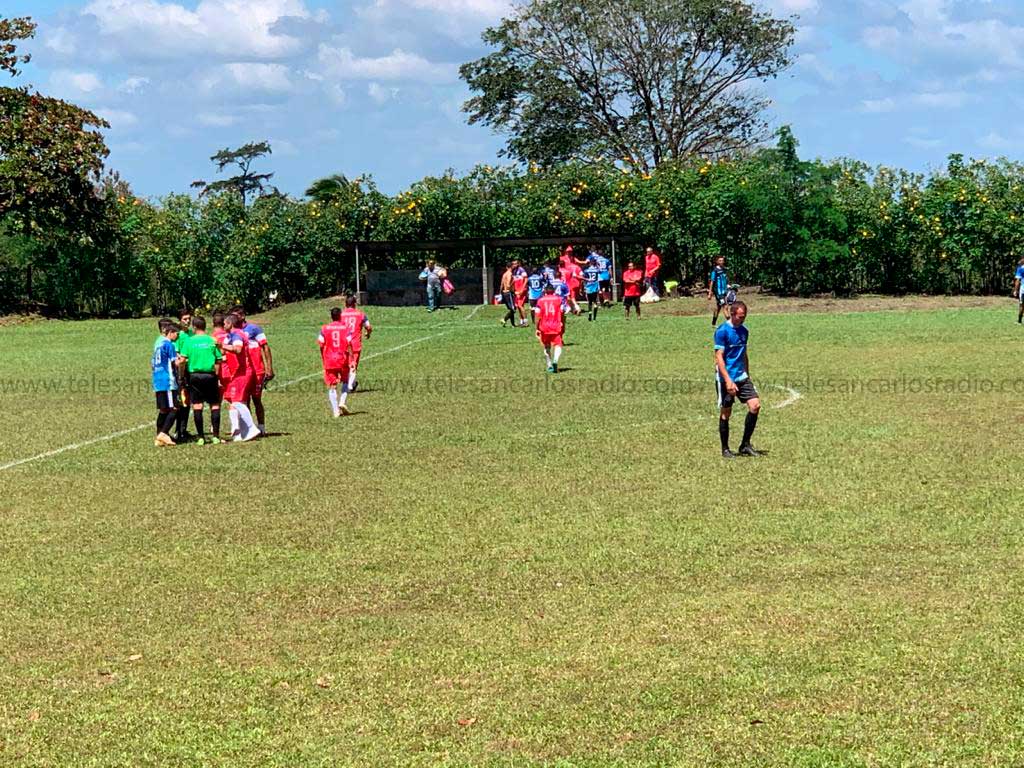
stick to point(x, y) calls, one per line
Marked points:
point(592, 287)
point(550, 271)
point(1018, 289)
point(561, 290)
point(164, 363)
point(534, 290)
point(732, 380)
point(604, 264)
point(718, 288)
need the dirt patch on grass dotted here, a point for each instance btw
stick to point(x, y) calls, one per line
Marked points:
point(767, 303)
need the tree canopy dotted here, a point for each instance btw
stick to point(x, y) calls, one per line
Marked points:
point(246, 181)
point(51, 152)
point(636, 81)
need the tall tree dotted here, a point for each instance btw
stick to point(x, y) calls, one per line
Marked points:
point(245, 182)
point(51, 152)
point(641, 81)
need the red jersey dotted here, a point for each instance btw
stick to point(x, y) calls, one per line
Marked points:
point(519, 284)
point(354, 321)
point(256, 340)
point(632, 278)
point(234, 345)
point(334, 344)
point(549, 314)
point(653, 264)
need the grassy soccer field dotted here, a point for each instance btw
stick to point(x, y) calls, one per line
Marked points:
point(482, 568)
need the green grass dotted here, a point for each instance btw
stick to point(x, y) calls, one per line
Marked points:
point(471, 576)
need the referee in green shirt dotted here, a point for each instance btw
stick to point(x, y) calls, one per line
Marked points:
point(203, 356)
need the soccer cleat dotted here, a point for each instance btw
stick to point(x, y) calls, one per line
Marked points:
point(337, 413)
point(727, 454)
point(201, 441)
point(354, 387)
point(551, 369)
point(554, 367)
point(164, 439)
point(215, 441)
point(157, 443)
point(748, 450)
point(344, 410)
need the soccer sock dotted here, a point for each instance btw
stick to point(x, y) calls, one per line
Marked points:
point(748, 427)
point(198, 416)
point(723, 433)
point(332, 396)
point(233, 416)
point(182, 419)
point(215, 420)
point(245, 419)
point(160, 421)
point(351, 381)
point(547, 356)
point(343, 398)
point(168, 424)
point(558, 354)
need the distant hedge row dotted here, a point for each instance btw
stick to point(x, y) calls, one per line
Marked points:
point(792, 226)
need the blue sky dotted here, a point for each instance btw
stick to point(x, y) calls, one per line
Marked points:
point(357, 86)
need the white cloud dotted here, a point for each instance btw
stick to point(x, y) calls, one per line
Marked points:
point(923, 143)
point(942, 99)
point(398, 65)
point(996, 141)
point(133, 85)
point(60, 40)
point(876, 106)
point(216, 120)
point(66, 81)
point(237, 28)
point(380, 94)
point(249, 76)
point(118, 118)
point(881, 37)
point(485, 9)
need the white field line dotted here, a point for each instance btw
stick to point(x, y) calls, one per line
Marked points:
point(794, 395)
point(76, 446)
point(148, 424)
point(368, 357)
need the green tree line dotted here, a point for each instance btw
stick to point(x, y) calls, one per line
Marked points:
point(786, 224)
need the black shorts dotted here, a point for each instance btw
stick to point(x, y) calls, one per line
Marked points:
point(533, 302)
point(204, 388)
point(167, 401)
point(631, 301)
point(745, 392)
point(606, 285)
point(721, 300)
point(594, 297)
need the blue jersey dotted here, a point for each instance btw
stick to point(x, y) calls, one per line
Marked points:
point(719, 281)
point(1019, 275)
point(164, 355)
point(535, 285)
point(549, 274)
point(605, 265)
point(561, 290)
point(732, 341)
point(591, 278)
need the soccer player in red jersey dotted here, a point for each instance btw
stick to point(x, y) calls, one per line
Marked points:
point(550, 326)
point(519, 287)
point(335, 340)
point(262, 363)
point(652, 269)
point(355, 321)
point(632, 279)
point(235, 347)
